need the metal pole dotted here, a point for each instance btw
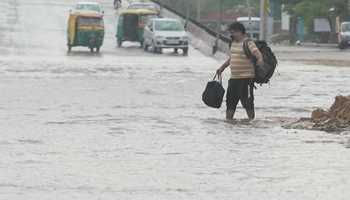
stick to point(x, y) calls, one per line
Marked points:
point(199, 8)
point(187, 5)
point(249, 18)
point(263, 20)
point(221, 15)
point(218, 29)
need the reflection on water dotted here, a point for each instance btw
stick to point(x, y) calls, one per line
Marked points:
point(126, 124)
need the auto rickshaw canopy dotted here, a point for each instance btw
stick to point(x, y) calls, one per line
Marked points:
point(73, 25)
point(138, 12)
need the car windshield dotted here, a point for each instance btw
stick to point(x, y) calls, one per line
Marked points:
point(168, 26)
point(345, 27)
point(91, 7)
point(90, 21)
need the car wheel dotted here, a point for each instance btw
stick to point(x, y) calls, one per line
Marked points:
point(185, 51)
point(157, 50)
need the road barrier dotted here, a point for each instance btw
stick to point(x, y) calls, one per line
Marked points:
point(201, 33)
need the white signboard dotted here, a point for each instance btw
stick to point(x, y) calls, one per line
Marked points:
point(322, 25)
point(285, 21)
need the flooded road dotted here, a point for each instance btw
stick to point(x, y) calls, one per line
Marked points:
point(126, 124)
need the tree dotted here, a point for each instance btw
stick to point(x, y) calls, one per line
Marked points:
point(212, 5)
point(310, 9)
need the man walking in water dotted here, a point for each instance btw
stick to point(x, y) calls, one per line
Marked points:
point(241, 83)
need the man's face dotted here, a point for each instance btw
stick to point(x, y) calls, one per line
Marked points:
point(236, 34)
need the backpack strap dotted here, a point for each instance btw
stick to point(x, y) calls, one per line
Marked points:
point(246, 48)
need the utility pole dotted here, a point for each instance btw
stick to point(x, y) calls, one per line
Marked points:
point(199, 8)
point(218, 29)
point(221, 15)
point(263, 19)
point(249, 17)
point(187, 5)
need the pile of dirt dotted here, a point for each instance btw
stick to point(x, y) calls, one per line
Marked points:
point(337, 118)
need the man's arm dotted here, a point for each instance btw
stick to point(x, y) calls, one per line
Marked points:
point(223, 66)
point(256, 53)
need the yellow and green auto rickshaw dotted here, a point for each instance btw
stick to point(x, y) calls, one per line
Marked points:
point(131, 24)
point(85, 29)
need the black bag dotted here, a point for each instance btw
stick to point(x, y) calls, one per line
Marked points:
point(214, 93)
point(264, 73)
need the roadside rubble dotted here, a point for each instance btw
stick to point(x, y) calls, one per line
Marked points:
point(336, 119)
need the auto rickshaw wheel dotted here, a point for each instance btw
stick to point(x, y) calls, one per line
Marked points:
point(91, 49)
point(157, 50)
point(69, 48)
point(141, 44)
point(97, 49)
point(145, 47)
point(154, 48)
point(176, 50)
point(119, 43)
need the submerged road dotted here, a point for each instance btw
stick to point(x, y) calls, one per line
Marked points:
point(127, 124)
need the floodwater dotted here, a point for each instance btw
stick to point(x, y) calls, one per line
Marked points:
point(126, 124)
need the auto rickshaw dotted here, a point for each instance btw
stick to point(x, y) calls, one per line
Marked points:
point(131, 24)
point(85, 29)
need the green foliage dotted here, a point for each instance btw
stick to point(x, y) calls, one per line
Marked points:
point(212, 5)
point(315, 7)
point(209, 5)
point(310, 9)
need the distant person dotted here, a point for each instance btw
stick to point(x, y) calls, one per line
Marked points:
point(117, 3)
point(241, 83)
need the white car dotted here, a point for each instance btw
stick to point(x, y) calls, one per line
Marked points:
point(88, 7)
point(164, 33)
point(344, 35)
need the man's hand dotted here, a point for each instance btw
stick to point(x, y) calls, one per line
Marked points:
point(260, 62)
point(223, 67)
point(219, 71)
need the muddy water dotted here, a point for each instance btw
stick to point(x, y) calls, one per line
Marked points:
point(127, 124)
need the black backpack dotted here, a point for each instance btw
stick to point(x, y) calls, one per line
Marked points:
point(264, 73)
point(214, 93)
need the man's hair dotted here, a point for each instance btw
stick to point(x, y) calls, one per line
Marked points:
point(237, 26)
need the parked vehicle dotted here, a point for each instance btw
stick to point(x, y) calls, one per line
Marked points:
point(145, 5)
point(131, 25)
point(344, 35)
point(88, 7)
point(85, 29)
point(163, 33)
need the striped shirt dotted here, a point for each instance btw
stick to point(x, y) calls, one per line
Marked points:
point(241, 66)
